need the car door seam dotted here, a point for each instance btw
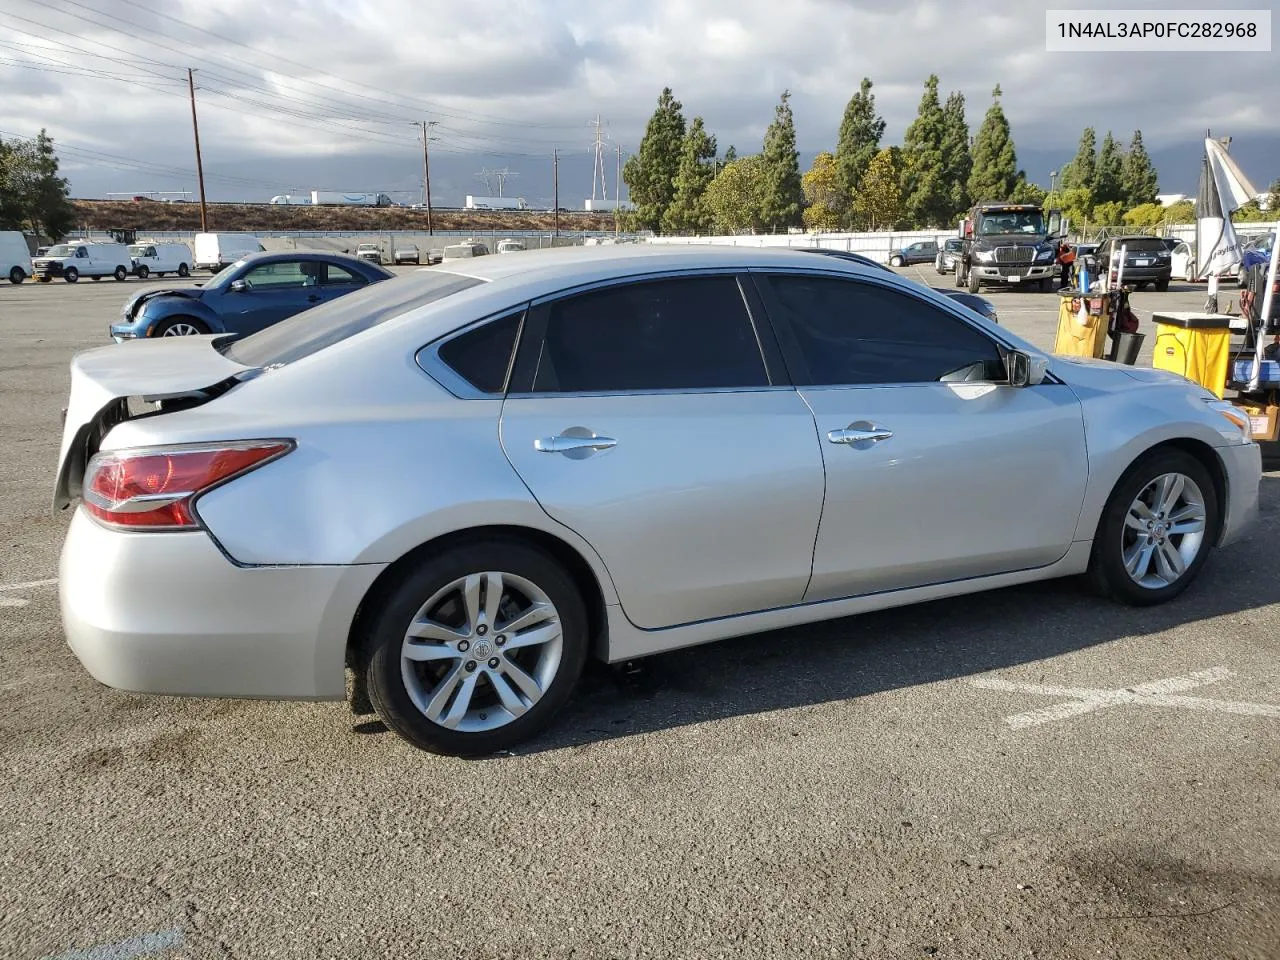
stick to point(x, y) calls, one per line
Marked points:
point(822, 507)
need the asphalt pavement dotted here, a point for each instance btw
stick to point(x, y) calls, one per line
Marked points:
point(1025, 773)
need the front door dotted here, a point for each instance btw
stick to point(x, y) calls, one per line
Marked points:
point(936, 469)
point(644, 417)
point(272, 291)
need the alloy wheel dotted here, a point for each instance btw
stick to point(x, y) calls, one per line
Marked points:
point(481, 651)
point(181, 329)
point(1164, 531)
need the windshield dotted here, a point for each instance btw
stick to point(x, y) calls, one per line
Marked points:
point(1013, 221)
point(312, 330)
point(61, 250)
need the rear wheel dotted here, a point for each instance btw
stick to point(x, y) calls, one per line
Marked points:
point(71, 274)
point(16, 275)
point(1046, 284)
point(144, 271)
point(1156, 530)
point(475, 649)
point(121, 273)
point(1162, 284)
point(183, 270)
point(181, 327)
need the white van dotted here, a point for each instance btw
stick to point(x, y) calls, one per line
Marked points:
point(15, 256)
point(161, 258)
point(71, 261)
point(217, 251)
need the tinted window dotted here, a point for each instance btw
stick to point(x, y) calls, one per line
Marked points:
point(337, 274)
point(482, 356)
point(1142, 244)
point(681, 334)
point(306, 333)
point(849, 332)
point(282, 275)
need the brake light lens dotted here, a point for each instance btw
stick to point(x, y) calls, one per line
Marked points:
point(153, 489)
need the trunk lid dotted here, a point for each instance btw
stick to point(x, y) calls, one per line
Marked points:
point(104, 379)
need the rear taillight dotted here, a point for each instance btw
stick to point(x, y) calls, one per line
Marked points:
point(152, 489)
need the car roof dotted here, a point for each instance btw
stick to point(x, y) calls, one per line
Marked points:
point(328, 256)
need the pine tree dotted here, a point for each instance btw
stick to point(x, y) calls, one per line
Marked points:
point(1139, 181)
point(730, 155)
point(995, 162)
point(925, 197)
point(1108, 177)
point(879, 201)
point(1082, 170)
point(859, 139)
point(687, 212)
point(650, 172)
point(955, 154)
point(783, 197)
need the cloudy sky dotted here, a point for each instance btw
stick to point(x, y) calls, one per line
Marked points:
point(301, 94)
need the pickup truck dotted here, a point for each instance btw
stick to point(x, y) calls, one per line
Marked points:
point(369, 251)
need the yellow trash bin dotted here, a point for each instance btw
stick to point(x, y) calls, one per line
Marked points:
point(1195, 345)
point(1087, 339)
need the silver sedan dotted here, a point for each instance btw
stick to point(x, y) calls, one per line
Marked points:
point(455, 487)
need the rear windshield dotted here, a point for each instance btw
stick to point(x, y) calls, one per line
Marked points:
point(1142, 244)
point(312, 330)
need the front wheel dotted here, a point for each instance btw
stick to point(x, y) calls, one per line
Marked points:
point(16, 276)
point(144, 271)
point(895, 261)
point(475, 649)
point(974, 285)
point(181, 327)
point(1156, 530)
point(71, 274)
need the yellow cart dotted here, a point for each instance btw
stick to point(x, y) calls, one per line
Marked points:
point(1195, 345)
point(1087, 338)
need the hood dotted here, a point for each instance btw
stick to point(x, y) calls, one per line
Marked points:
point(1107, 374)
point(134, 303)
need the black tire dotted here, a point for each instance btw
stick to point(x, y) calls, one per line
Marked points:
point(143, 271)
point(17, 275)
point(71, 275)
point(974, 284)
point(165, 325)
point(183, 270)
point(1163, 284)
point(95, 278)
point(399, 603)
point(895, 261)
point(1107, 572)
point(1046, 285)
point(121, 274)
point(959, 275)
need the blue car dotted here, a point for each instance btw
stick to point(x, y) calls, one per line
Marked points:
point(253, 293)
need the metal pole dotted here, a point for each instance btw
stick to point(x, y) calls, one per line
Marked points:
point(617, 187)
point(195, 128)
point(555, 204)
point(426, 175)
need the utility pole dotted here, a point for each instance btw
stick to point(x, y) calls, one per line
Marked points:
point(617, 186)
point(195, 128)
point(555, 204)
point(426, 172)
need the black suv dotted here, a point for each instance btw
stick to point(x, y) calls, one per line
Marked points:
point(1147, 261)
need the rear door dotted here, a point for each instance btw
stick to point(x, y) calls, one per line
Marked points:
point(936, 468)
point(653, 418)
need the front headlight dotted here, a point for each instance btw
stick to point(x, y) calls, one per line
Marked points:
point(1235, 416)
point(1044, 256)
point(984, 256)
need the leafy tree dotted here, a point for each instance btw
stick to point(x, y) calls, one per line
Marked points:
point(825, 194)
point(687, 212)
point(1108, 214)
point(925, 194)
point(734, 197)
point(1109, 173)
point(1075, 203)
point(651, 171)
point(11, 203)
point(1024, 191)
point(879, 201)
point(1145, 215)
point(782, 203)
point(1253, 212)
point(1184, 211)
point(995, 163)
point(859, 139)
point(1139, 182)
point(955, 154)
point(1080, 172)
point(32, 194)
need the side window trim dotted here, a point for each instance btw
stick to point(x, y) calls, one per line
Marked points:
point(533, 333)
point(792, 351)
point(432, 364)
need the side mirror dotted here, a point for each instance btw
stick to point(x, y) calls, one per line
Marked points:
point(1024, 369)
point(239, 286)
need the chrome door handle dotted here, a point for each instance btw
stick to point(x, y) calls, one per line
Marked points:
point(571, 444)
point(860, 433)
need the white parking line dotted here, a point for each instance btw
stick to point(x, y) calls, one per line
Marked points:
point(1157, 693)
point(13, 602)
point(28, 585)
point(144, 944)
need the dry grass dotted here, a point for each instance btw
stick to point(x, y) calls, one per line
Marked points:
point(153, 216)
